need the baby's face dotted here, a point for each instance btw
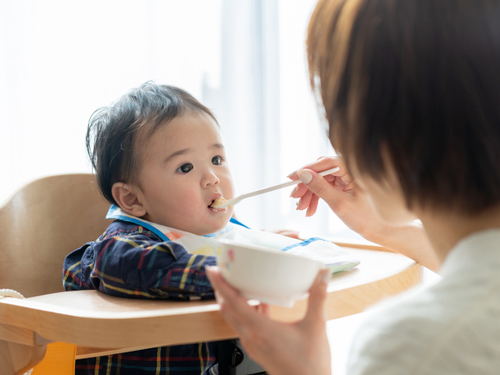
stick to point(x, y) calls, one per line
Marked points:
point(184, 169)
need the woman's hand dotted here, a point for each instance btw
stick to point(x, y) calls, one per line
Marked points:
point(340, 192)
point(352, 206)
point(299, 348)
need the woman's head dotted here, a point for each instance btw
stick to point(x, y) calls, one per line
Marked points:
point(413, 85)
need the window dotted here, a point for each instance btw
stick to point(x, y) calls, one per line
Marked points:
point(245, 60)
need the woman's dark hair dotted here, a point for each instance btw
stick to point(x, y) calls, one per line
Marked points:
point(420, 79)
point(112, 132)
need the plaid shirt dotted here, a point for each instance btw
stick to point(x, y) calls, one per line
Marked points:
point(131, 261)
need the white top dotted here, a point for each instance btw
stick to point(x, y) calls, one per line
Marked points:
point(452, 327)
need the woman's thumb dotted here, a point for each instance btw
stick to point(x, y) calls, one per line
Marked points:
point(317, 184)
point(317, 298)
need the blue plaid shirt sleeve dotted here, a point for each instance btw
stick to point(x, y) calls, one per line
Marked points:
point(136, 263)
point(130, 261)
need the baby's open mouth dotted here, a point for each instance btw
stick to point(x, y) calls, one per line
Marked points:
point(214, 205)
point(217, 202)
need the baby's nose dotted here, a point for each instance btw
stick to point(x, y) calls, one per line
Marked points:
point(210, 179)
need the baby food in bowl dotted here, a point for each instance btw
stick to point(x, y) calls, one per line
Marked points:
point(267, 275)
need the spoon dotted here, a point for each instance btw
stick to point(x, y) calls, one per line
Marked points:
point(235, 200)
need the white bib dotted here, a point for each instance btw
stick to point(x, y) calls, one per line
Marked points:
point(325, 251)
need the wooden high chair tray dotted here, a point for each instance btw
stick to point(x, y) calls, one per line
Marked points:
point(100, 324)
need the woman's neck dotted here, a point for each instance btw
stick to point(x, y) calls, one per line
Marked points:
point(445, 229)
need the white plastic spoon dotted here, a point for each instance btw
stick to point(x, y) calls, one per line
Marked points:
point(235, 200)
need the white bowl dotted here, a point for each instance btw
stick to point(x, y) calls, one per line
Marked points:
point(269, 276)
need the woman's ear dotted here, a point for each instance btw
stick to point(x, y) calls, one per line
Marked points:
point(127, 199)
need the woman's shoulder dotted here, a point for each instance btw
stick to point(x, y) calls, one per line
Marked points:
point(437, 330)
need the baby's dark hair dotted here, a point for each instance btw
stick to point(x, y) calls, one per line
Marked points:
point(112, 132)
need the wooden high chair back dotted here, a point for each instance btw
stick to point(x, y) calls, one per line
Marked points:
point(41, 224)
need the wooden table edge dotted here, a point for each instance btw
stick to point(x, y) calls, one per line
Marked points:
point(338, 303)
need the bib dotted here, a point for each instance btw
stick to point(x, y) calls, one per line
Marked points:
point(317, 248)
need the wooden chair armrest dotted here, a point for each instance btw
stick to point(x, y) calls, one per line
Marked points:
point(122, 325)
point(80, 316)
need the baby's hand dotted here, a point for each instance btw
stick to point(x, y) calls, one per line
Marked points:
point(287, 233)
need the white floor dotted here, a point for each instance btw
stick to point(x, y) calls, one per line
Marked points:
point(342, 331)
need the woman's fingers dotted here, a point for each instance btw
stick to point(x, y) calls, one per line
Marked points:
point(299, 191)
point(305, 201)
point(322, 188)
point(265, 309)
point(240, 316)
point(263, 339)
point(317, 298)
point(308, 200)
point(322, 164)
point(313, 206)
point(281, 348)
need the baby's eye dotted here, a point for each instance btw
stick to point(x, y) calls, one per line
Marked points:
point(217, 160)
point(185, 168)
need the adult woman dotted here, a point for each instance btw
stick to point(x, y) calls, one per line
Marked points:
point(410, 90)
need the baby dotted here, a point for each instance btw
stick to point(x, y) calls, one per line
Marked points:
point(160, 161)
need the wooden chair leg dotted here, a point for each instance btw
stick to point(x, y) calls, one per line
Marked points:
point(16, 359)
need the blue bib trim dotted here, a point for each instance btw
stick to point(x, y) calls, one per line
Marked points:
point(234, 221)
point(303, 243)
point(113, 214)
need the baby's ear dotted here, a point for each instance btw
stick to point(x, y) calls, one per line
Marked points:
point(127, 199)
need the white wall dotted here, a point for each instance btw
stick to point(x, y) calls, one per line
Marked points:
point(60, 60)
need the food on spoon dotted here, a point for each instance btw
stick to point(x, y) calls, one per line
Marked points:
point(218, 202)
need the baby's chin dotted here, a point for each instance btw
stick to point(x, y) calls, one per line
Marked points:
point(214, 226)
point(213, 229)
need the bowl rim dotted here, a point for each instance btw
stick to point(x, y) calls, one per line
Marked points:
point(228, 241)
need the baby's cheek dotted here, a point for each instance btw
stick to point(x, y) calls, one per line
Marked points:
point(184, 203)
point(192, 201)
point(228, 191)
point(188, 220)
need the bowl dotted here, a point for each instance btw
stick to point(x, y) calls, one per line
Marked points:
point(267, 275)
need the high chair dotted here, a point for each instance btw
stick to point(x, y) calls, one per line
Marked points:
point(52, 216)
point(42, 223)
